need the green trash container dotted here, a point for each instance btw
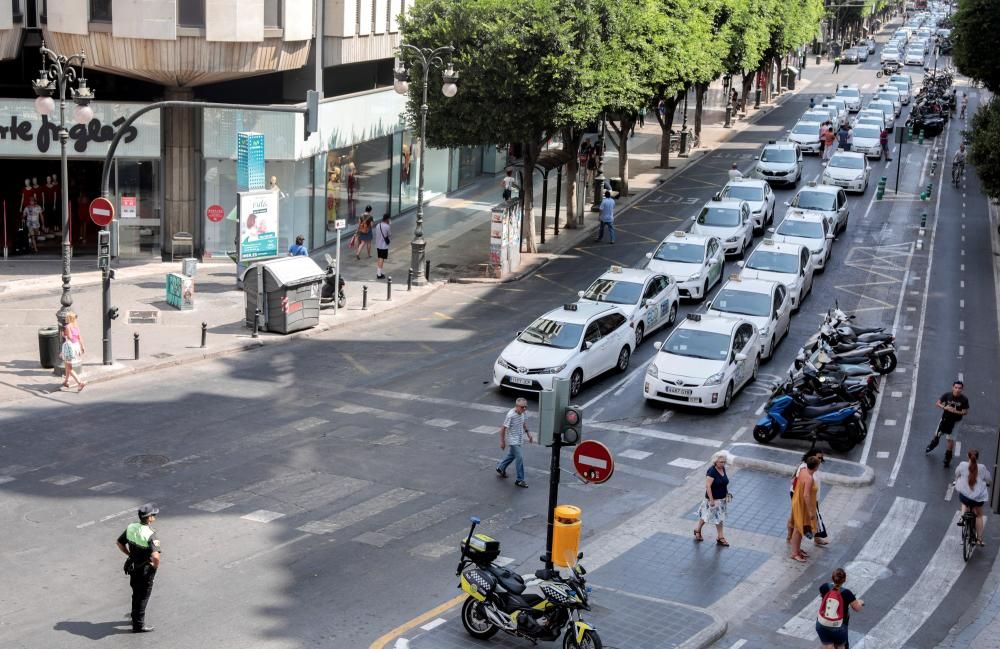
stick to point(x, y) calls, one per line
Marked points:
point(48, 346)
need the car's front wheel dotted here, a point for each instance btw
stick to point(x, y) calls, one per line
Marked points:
point(575, 382)
point(624, 356)
point(640, 333)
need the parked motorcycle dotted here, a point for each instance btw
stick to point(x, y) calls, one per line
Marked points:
point(796, 416)
point(497, 601)
point(326, 296)
point(833, 387)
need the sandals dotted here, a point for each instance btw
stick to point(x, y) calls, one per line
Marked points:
point(698, 537)
point(722, 541)
point(800, 558)
point(820, 542)
point(82, 386)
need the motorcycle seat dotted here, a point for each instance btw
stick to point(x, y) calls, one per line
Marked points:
point(813, 412)
point(521, 601)
point(511, 581)
point(866, 330)
point(849, 370)
point(819, 399)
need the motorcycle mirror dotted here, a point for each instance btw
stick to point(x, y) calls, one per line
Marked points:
point(474, 520)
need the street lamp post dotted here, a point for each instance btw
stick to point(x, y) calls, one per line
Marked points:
point(427, 58)
point(57, 76)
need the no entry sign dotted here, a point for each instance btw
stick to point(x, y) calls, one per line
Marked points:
point(593, 461)
point(102, 212)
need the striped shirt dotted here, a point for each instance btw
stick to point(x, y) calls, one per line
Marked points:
point(515, 425)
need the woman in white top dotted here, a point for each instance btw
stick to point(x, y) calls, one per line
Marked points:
point(972, 481)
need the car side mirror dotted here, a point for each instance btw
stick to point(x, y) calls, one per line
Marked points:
point(717, 196)
point(644, 303)
point(787, 204)
point(657, 345)
point(771, 230)
point(587, 345)
point(741, 357)
point(649, 255)
point(831, 237)
point(741, 263)
point(579, 294)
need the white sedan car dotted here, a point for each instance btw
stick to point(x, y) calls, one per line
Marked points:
point(694, 262)
point(764, 303)
point(806, 135)
point(851, 95)
point(648, 299)
point(827, 200)
point(704, 362)
point(848, 169)
point(810, 230)
point(727, 220)
point(576, 342)
point(788, 263)
point(867, 138)
point(758, 195)
point(914, 56)
point(889, 54)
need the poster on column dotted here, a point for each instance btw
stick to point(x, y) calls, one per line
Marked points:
point(258, 225)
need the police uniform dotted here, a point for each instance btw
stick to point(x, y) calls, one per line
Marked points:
point(140, 540)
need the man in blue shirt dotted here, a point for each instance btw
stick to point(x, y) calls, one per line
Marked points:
point(299, 249)
point(607, 218)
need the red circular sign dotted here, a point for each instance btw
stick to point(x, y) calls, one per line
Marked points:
point(215, 213)
point(102, 212)
point(593, 461)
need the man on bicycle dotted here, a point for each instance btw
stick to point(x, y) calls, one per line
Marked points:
point(965, 103)
point(958, 164)
point(955, 406)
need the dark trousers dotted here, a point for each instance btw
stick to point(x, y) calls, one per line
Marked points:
point(141, 581)
point(611, 230)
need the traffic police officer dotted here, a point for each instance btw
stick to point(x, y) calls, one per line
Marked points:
point(140, 544)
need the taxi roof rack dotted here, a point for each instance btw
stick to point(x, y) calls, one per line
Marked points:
point(570, 306)
point(696, 317)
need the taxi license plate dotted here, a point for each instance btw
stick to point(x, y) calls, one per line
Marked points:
point(682, 391)
point(517, 380)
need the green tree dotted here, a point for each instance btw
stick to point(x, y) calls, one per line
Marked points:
point(527, 70)
point(984, 149)
point(975, 26)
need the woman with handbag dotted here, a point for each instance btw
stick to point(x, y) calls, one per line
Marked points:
point(714, 507)
point(364, 234)
point(805, 517)
point(72, 351)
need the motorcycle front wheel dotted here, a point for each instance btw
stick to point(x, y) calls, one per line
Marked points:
point(475, 621)
point(764, 434)
point(884, 364)
point(590, 640)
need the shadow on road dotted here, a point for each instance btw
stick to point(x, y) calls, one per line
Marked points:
point(93, 630)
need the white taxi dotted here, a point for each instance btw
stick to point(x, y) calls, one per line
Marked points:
point(648, 299)
point(848, 169)
point(806, 135)
point(576, 341)
point(780, 162)
point(694, 262)
point(810, 230)
point(729, 221)
point(764, 303)
point(703, 362)
point(828, 200)
point(851, 95)
point(788, 263)
point(758, 195)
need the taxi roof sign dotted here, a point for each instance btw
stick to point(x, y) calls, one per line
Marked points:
point(570, 307)
point(615, 269)
point(696, 317)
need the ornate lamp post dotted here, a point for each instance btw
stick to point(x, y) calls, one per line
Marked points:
point(427, 58)
point(58, 76)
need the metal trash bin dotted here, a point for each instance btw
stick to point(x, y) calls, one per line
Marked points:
point(789, 74)
point(49, 347)
point(189, 266)
point(292, 289)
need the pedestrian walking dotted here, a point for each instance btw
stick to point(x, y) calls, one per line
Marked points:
point(972, 481)
point(382, 238)
point(364, 235)
point(812, 103)
point(834, 616)
point(642, 117)
point(735, 173)
point(836, 64)
point(845, 137)
point(883, 140)
point(607, 217)
point(955, 406)
point(299, 248)
point(821, 535)
point(804, 513)
point(512, 434)
point(507, 185)
point(72, 351)
point(142, 547)
point(829, 139)
point(714, 507)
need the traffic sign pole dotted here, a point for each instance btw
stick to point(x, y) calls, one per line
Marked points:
point(339, 224)
point(560, 389)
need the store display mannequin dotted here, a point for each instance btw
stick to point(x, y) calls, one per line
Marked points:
point(40, 201)
point(352, 189)
point(26, 193)
point(332, 197)
point(273, 186)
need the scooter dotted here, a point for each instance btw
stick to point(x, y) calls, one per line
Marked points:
point(326, 297)
point(832, 387)
point(790, 416)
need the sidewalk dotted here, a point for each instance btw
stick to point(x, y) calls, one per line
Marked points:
point(456, 228)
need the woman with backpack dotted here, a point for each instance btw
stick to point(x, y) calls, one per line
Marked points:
point(834, 614)
point(365, 235)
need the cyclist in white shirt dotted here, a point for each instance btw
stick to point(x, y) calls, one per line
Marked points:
point(972, 480)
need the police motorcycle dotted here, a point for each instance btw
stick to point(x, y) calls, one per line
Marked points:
point(497, 600)
point(329, 278)
point(889, 68)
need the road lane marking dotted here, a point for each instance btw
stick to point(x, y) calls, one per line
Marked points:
point(361, 511)
point(385, 638)
point(403, 396)
point(449, 544)
point(273, 548)
point(485, 430)
point(657, 434)
point(109, 487)
point(685, 463)
point(882, 455)
point(262, 516)
point(634, 454)
point(356, 365)
point(433, 624)
point(62, 479)
point(625, 381)
point(738, 434)
point(414, 523)
point(211, 506)
point(440, 423)
point(130, 510)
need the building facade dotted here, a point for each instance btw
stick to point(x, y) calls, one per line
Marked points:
point(177, 170)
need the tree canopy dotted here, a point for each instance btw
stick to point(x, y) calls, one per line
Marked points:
point(975, 25)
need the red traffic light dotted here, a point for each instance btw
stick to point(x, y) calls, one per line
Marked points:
point(571, 417)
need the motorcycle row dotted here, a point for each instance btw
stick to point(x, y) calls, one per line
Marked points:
point(933, 104)
point(832, 386)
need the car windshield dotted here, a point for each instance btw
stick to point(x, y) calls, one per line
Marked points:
point(900, 86)
point(609, 290)
point(698, 344)
point(742, 302)
point(719, 216)
point(887, 96)
point(848, 92)
point(866, 131)
point(812, 200)
point(687, 253)
point(890, 50)
point(806, 129)
point(775, 262)
point(777, 155)
point(806, 229)
point(847, 162)
point(885, 107)
point(745, 193)
point(552, 333)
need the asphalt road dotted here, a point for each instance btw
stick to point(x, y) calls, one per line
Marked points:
point(314, 495)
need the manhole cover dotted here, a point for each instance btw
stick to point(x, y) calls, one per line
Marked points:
point(143, 317)
point(147, 461)
point(161, 355)
point(447, 266)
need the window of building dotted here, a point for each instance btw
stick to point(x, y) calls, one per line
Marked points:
point(100, 11)
point(272, 13)
point(191, 13)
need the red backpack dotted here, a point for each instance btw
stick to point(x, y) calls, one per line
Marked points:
point(831, 608)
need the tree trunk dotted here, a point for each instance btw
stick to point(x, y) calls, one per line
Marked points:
point(571, 137)
point(778, 60)
point(747, 83)
point(666, 123)
point(699, 104)
point(622, 131)
point(531, 149)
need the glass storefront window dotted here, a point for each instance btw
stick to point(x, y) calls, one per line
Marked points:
point(356, 177)
point(139, 220)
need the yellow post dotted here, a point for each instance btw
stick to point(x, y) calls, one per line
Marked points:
point(566, 536)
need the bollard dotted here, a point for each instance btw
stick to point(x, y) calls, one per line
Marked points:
point(930, 189)
point(135, 344)
point(920, 136)
point(409, 280)
point(729, 117)
point(204, 333)
point(388, 288)
point(364, 297)
point(923, 220)
point(880, 189)
point(427, 270)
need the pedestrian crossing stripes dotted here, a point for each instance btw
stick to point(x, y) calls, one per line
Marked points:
point(109, 487)
point(414, 523)
point(261, 488)
point(449, 544)
point(5, 479)
point(62, 480)
point(361, 511)
point(262, 516)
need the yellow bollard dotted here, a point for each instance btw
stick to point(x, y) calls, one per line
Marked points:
point(566, 536)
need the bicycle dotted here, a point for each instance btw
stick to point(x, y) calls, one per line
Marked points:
point(956, 173)
point(969, 537)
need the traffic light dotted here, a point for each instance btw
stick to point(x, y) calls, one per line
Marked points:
point(103, 249)
point(113, 313)
point(571, 427)
point(312, 112)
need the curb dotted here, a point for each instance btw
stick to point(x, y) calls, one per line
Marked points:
point(866, 478)
point(707, 636)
